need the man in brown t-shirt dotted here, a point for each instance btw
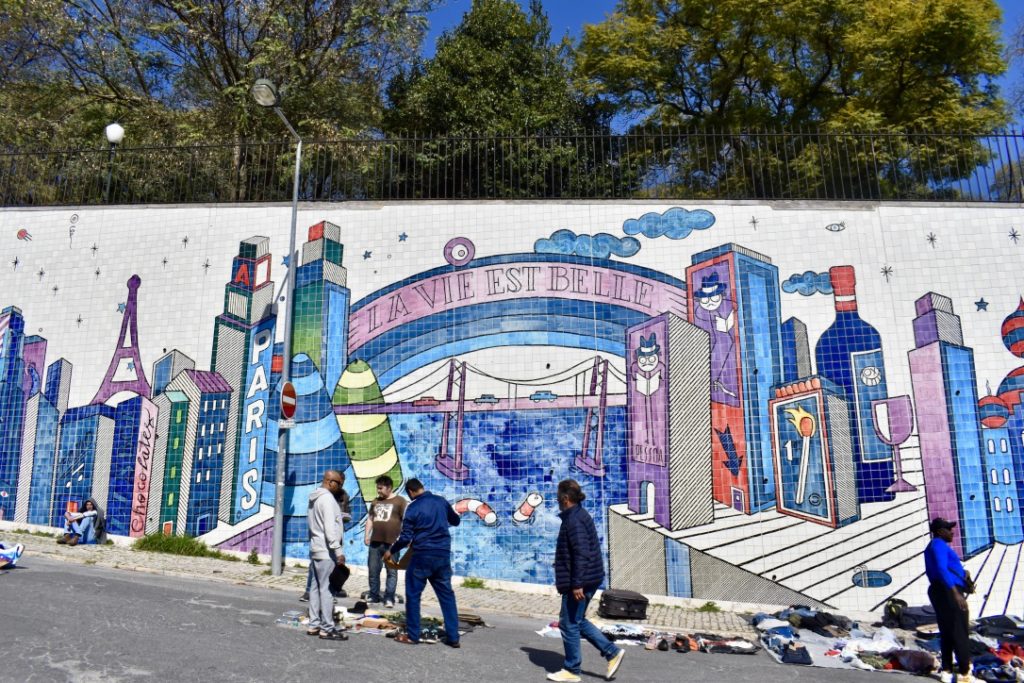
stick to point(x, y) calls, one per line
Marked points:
point(383, 526)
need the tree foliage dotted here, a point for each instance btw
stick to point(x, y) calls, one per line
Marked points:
point(840, 63)
point(497, 71)
point(179, 71)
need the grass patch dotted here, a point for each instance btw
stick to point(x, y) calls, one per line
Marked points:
point(473, 582)
point(180, 545)
point(90, 562)
point(42, 534)
point(267, 572)
point(709, 606)
point(254, 557)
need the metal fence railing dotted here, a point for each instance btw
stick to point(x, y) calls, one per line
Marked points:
point(645, 163)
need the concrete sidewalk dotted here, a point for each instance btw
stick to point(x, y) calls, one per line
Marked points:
point(523, 600)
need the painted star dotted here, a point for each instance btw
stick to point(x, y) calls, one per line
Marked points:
point(79, 321)
point(94, 248)
point(285, 259)
point(164, 262)
point(754, 221)
point(41, 273)
point(184, 242)
point(121, 308)
point(887, 272)
point(131, 365)
point(97, 273)
point(981, 304)
point(403, 237)
point(1014, 235)
point(55, 290)
point(932, 239)
point(16, 262)
point(206, 266)
point(367, 254)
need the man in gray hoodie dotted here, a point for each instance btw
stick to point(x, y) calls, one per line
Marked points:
point(325, 552)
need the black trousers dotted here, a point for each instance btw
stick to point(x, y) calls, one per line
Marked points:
point(953, 628)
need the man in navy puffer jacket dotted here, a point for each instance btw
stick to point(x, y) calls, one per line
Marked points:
point(579, 571)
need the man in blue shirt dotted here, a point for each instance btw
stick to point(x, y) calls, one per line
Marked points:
point(425, 531)
point(947, 583)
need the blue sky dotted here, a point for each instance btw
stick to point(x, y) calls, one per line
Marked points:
point(568, 16)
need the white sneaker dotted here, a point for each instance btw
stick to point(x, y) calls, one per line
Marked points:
point(945, 677)
point(564, 676)
point(613, 664)
point(389, 604)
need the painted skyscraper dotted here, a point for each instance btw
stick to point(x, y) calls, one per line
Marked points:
point(243, 342)
point(131, 459)
point(33, 356)
point(202, 450)
point(668, 462)
point(734, 297)
point(53, 404)
point(83, 458)
point(796, 351)
point(320, 325)
point(1004, 503)
point(165, 482)
point(12, 407)
point(945, 393)
point(167, 368)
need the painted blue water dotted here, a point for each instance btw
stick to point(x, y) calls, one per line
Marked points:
point(509, 455)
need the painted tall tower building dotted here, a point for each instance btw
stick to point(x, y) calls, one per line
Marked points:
point(945, 393)
point(734, 297)
point(12, 406)
point(243, 341)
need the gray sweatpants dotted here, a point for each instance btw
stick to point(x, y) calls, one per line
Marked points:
point(321, 602)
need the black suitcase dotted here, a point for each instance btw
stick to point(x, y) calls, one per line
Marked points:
point(621, 604)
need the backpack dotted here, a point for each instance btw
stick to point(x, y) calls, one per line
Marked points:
point(892, 613)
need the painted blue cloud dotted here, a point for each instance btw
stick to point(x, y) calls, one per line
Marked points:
point(601, 245)
point(676, 223)
point(807, 283)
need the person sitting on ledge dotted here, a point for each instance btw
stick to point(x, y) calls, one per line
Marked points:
point(87, 526)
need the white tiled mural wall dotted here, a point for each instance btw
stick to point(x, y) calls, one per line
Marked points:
point(763, 402)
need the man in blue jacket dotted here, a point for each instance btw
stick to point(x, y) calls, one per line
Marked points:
point(425, 531)
point(579, 571)
point(947, 581)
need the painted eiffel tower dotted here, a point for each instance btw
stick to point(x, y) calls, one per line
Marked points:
point(123, 350)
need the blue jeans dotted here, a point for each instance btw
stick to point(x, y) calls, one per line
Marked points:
point(572, 622)
point(83, 528)
point(437, 569)
point(374, 563)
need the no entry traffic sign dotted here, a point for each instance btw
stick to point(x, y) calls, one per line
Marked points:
point(288, 401)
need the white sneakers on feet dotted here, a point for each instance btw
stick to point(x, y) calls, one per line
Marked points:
point(564, 677)
point(613, 664)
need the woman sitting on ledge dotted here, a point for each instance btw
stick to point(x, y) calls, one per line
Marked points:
point(87, 526)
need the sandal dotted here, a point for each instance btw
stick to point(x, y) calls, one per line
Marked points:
point(405, 639)
point(333, 635)
point(312, 632)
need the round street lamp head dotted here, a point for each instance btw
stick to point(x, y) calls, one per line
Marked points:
point(265, 93)
point(115, 133)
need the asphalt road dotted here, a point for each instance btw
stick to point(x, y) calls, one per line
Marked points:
point(61, 622)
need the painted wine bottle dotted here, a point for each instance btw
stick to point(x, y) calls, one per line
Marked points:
point(850, 354)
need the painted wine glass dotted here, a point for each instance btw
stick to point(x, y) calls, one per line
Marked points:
point(894, 422)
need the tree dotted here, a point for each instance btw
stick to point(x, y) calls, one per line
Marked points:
point(829, 65)
point(497, 75)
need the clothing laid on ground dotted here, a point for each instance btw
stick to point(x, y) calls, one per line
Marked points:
point(578, 560)
point(9, 555)
point(425, 532)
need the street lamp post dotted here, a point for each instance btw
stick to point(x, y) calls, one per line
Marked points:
point(115, 134)
point(265, 94)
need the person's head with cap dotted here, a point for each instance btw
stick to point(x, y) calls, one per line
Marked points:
point(942, 528)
